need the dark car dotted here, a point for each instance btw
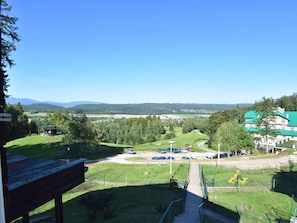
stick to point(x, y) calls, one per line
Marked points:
point(161, 151)
point(159, 158)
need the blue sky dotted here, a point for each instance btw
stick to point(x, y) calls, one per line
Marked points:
point(137, 51)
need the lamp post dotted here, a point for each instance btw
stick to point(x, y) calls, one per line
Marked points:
point(219, 155)
point(170, 160)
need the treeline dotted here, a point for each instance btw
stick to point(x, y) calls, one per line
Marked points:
point(134, 109)
point(135, 130)
point(228, 120)
point(226, 127)
point(289, 103)
point(132, 131)
point(20, 125)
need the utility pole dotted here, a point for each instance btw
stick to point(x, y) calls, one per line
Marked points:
point(219, 155)
point(170, 161)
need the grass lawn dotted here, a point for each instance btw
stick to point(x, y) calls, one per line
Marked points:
point(256, 178)
point(256, 200)
point(141, 192)
point(181, 141)
point(138, 191)
point(255, 206)
point(47, 147)
point(137, 195)
point(143, 203)
point(136, 174)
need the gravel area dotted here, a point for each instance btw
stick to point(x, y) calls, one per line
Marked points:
point(242, 162)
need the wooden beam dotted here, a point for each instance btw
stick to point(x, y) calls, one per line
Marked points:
point(59, 209)
point(27, 197)
point(25, 218)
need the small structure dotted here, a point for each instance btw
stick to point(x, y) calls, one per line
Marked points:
point(32, 182)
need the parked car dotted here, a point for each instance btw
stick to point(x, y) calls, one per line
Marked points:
point(161, 151)
point(184, 150)
point(159, 158)
point(190, 149)
point(187, 158)
point(211, 156)
point(215, 156)
point(129, 151)
point(170, 157)
point(174, 150)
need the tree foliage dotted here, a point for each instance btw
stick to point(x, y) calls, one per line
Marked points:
point(219, 117)
point(189, 125)
point(60, 119)
point(232, 137)
point(266, 115)
point(19, 124)
point(289, 103)
point(9, 37)
point(78, 128)
point(132, 130)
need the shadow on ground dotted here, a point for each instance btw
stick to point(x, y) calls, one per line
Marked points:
point(285, 182)
point(128, 204)
point(220, 213)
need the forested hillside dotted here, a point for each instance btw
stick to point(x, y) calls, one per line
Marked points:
point(135, 109)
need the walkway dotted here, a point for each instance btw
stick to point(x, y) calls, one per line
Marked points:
point(194, 198)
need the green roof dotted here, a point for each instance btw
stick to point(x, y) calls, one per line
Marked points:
point(250, 115)
point(291, 116)
point(288, 132)
point(281, 132)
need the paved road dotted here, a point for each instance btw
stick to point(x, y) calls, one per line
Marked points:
point(193, 198)
point(243, 162)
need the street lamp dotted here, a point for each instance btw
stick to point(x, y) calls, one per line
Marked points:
point(170, 160)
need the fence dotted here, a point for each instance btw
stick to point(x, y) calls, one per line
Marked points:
point(279, 179)
point(203, 183)
point(175, 208)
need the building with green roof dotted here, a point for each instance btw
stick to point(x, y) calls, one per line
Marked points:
point(284, 123)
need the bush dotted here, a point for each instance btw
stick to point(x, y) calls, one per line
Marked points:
point(98, 203)
point(238, 178)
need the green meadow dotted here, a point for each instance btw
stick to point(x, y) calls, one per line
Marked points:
point(267, 196)
point(142, 190)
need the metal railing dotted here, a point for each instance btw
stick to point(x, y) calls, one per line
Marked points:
point(203, 183)
point(175, 208)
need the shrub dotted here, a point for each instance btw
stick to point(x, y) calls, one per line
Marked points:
point(238, 178)
point(291, 164)
point(98, 203)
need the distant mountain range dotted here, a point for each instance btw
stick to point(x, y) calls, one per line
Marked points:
point(28, 101)
point(91, 107)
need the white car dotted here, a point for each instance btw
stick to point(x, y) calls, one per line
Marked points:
point(129, 151)
point(210, 156)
